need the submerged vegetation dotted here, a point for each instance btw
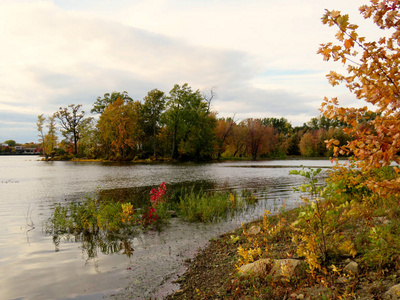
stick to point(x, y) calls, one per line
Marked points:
point(113, 224)
point(212, 206)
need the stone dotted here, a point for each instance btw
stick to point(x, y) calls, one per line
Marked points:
point(393, 292)
point(342, 280)
point(258, 268)
point(351, 268)
point(382, 220)
point(297, 296)
point(285, 267)
point(172, 213)
point(277, 268)
point(254, 230)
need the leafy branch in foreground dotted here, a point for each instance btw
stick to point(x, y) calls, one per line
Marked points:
point(375, 128)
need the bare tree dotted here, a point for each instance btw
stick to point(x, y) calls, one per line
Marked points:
point(69, 119)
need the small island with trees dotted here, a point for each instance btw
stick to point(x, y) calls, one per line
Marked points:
point(179, 126)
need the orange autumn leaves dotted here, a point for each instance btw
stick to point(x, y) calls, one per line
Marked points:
point(373, 76)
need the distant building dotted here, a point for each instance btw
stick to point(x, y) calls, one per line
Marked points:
point(31, 150)
point(19, 149)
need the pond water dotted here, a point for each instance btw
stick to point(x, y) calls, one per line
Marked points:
point(35, 265)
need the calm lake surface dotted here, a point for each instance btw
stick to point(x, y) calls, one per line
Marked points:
point(35, 265)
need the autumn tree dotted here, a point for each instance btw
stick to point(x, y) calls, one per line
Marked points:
point(88, 138)
point(39, 125)
point(51, 138)
point(259, 138)
point(236, 141)
point(69, 119)
point(102, 102)
point(223, 131)
point(120, 130)
point(255, 136)
point(373, 76)
point(307, 145)
point(48, 140)
point(339, 135)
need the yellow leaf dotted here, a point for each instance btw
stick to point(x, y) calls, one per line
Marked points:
point(335, 13)
point(340, 35)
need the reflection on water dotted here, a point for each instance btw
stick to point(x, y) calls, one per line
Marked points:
point(92, 243)
point(29, 189)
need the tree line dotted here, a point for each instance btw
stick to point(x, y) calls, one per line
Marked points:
point(179, 125)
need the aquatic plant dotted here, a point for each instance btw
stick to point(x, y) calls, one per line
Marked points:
point(91, 215)
point(157, 213)
point(212, 206)
point(105, 225)
point(157, 196)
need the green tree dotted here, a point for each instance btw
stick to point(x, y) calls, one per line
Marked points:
point(281, 126)
point(323, 122)
point(10, 143)
point(153, 107)
point(294, 140)
point(69, 119)
point(190, 122)
point(102, 102)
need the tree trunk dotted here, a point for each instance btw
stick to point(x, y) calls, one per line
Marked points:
point(154, 141)
point(174, 150)
point(75, 143)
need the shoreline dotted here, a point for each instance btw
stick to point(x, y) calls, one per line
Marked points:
point(213, 273)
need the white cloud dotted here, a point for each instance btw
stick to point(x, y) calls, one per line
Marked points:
point(259, 55)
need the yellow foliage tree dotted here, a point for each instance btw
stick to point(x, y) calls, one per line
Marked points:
point(120, 129)
point(373, 76)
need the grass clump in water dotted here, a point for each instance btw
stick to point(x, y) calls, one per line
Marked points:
point(92, 215)
point(212, 206)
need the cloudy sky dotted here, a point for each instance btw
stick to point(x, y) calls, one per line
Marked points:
point(258, 56)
